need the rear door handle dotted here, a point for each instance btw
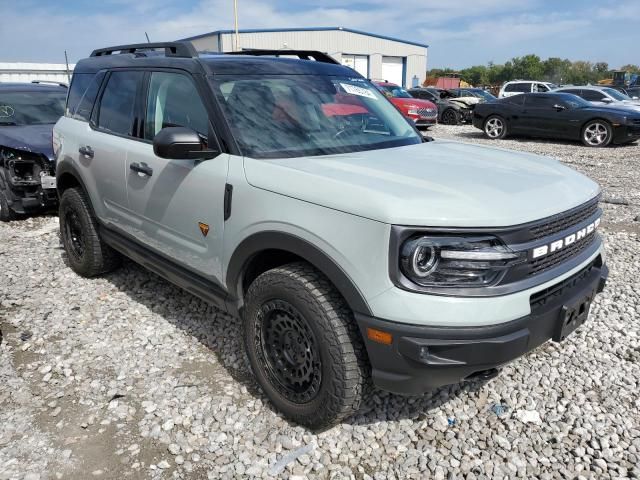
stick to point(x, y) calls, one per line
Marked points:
point(141, 168)
point(86, 152)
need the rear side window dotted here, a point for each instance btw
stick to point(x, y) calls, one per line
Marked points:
point(79, 84)
point(118, 103)
point(85, 105)
point(173, 101)
point(518, 87)
point(541, 100)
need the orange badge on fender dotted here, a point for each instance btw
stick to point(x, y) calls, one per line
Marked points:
point(204, 228)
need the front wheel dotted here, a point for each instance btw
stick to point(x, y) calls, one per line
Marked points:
point(6, 213)
point(495, 127)
point(597, 133)
point(450, 117)
point(304, 347)
point(87, 254)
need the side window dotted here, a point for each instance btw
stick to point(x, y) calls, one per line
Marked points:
point(512, 87)
point(524, 87)
point(593, 96)
point(79, 84)
point(540, 87)
point(85, 106)
point(540, 101)
point(118, 102)
point(173, 101)
point(516, 100)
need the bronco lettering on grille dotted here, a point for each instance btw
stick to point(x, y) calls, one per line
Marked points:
point(543, 250)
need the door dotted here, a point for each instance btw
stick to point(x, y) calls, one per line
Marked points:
point(360, 63)
point(393, 70)
point(546, 115)
point(177, 205)
point(104, 152)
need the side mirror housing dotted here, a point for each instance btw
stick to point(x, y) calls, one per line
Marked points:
point(181, 143)
point(607, 100)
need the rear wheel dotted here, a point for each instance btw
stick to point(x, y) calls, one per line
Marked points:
point(87, 254)
point(6, 213)
point(495, 127)
point(597, 133)
point(450, 117)
point(304, 347)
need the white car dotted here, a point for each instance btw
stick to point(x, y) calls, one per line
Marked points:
point(602, 96)
point(516, 87)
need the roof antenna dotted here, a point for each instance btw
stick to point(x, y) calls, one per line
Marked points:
point(66, 61)
point(145, 34)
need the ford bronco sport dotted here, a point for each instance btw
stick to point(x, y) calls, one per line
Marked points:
point(291, 192)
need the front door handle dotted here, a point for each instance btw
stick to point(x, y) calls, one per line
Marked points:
point(141, 168)
point(86, 152)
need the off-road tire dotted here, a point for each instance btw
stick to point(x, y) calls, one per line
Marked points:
point(501, 133)
point(597, 140)
point(96, 257)
point(298, 288)
point(6, 213)
point(450, 117)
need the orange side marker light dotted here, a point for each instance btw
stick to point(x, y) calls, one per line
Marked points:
point(379, 336)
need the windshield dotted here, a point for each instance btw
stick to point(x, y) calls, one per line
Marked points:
point(394, 91)
point(615, 94)
point(298, 115)
point(31, 108)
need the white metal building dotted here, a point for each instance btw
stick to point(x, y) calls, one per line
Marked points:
point(27, 72)
point(374, 56)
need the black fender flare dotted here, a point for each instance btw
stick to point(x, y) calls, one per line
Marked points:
point(65, 169)
point(274, 240)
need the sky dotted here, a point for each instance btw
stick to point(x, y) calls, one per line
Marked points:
point(459, 33)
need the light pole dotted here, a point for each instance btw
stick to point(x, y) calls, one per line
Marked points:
point(235, 15)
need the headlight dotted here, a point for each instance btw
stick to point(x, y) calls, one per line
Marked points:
point(449, 261)
point(413, 111)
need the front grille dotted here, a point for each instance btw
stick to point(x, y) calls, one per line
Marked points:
point(563, 221)
point(427, 112)
point(541, 298)
point(549, 261)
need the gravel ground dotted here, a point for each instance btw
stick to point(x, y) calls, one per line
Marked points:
point(126, 376)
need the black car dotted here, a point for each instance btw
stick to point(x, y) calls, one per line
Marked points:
point(28, 112)
point(557, 115)
point(451, 110)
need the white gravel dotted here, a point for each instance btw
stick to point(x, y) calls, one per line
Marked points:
point(126, 376)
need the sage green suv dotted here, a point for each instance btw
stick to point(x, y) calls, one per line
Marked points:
point(291, 193)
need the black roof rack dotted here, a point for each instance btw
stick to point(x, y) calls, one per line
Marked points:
point(51, 82)
point(301, 54)
point(171, 49)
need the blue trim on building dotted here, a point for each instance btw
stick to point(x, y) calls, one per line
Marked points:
point(311, 29)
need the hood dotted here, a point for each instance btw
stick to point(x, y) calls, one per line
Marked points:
point(465, 101)
point(31, 138)
point(407, 102)
point(440, 183)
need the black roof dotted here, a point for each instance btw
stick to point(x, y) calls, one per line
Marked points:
point(173, 55)
point(31, 87)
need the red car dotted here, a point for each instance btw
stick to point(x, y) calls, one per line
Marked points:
point(423, 112)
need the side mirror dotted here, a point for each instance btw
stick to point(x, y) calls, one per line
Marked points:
point(606, 100)
point(180, 143)
point(559, 107)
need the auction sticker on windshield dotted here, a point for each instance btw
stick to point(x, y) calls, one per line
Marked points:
point(360, 91)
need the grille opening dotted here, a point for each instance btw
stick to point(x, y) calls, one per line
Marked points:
point(565, 220)
point(549, 261)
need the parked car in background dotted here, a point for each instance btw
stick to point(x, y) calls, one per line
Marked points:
point(601, 96)
point(28, 112)
point(557, 115)
point(424, 113)
point(518, 87)
point(479, 93)
point(634, 92)
point(451, 110)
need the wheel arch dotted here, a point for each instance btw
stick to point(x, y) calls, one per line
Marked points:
point(265, 250)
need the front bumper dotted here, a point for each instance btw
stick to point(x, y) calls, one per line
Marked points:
point(626, 133)
point(423, 358)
